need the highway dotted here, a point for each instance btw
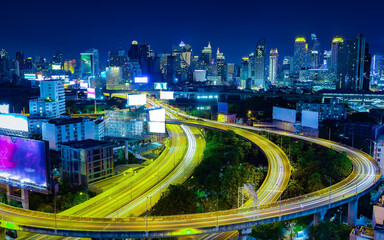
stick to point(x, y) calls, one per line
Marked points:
point(365, 175)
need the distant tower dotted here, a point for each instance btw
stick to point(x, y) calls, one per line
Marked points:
point(134, 51)
point(206, 54)
point(221, 67)
point(336, 42)
point(260, 63)
point(273, 63)
point(89, 64)
point(315, 57)
point(300, 57)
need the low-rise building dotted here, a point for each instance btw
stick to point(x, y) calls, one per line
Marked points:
point(61, 130)
point(331, 111)
point(86, 161)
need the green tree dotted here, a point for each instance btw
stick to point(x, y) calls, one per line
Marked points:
point(315, 182)
point(329, 230)
point(272, 231)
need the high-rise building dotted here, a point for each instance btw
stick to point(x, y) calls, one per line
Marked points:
point(377, 67)
point(327, 59)
point(186, 55)
point(353, 64)
point(300, 57)
point(221, 66)
point(58, 61)
point(20, 60)
point(114, 78)
point(117, 58)
point(206, 55)
point(70, 65)
point(315, 58)
point(89, 65)
point(336, 42)
point(134, 51)
point(260, 63)
point(273, 64)
point(4, 65)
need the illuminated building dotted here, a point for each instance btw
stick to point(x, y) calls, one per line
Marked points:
point(117, 58)
point(134, 51)
point(206, 54)
point(86, 161)
point(61, 130)
point(336, 42)
point(315, 57)
point(353, 64)
point(331, 111)
point(19, 63)
point(221, 66)
point(300, 57)
point(260, 63)
point(114, 78)
point(273, 64)
point(199, 75)
point(377, 66)
point(89, 64)
point(231, 71)
point(70, 65)
point(327, 59)
point(57, 61)
point(4, 65)
point(121, 124)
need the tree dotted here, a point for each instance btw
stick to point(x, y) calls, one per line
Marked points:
point(329, 230)
point(270, 231)
point(293, 189)
point(315, 182)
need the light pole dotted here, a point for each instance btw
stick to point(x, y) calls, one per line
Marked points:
point(330, 189)
point(146, 215)
point(217, 210)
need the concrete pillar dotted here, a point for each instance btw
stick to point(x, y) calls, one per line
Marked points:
point(317, 217)
point(244, 233)
point(25, 198)
point(352, 212)
point(10, 192)
point(126, 149)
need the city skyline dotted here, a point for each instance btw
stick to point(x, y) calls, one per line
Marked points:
point(44, 28)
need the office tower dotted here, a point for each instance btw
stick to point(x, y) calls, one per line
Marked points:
point(134, 51)
point(231, 71)
point(377, 66)
point(117, 58)
point(4, 65)
point(20, 60)
point(28, 64)
point(315, 56)
point(186, 55)
point(260, 61)
point(336, 42)
point(300, 57)
point(57, 62)
point(144, 50)
point(113, 77)
point(327, 59)
point(221, 66)
point(69, 66)
point(89, 64)
point(206, 55)
point(287, 64)
point(273, 63)
point(353, 64)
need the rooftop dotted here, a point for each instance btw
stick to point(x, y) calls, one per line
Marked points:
point(65, 121)
point(84, 144)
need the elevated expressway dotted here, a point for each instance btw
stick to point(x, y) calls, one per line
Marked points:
point(364, 177)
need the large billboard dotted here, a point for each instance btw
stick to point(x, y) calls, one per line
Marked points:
point(156, 127)
point(160, 86)
point(23, 163)
point(166, 95)
point(137, 99)
point(157, 115)
point(86, 64)
point(310, 119)
point(4, 108)
point(91, 93)
point(141, 80)
point(14, 122)
point(284, 114)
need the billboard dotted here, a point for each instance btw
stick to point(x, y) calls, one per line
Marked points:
point(23, 163)
point(137, 99)
point(56, 66)
point(284, 114)
point(14, 122)
point(222, 107)
point(86, 64)
point(157, 115)
point(160, 86)
point(310, 119)
point(166, 95)
point(29, 76)
point(91, 93)
point(156, 127)
point(141, 80)
point(4, 108)
point(83, 85)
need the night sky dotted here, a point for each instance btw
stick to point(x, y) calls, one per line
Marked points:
point(44, 27)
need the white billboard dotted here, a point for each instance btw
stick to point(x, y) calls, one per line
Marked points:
point(91, 93)
point(157, 115)
point(156, 127)
point(310, 119)
point(14, 122)
point(160, 86)
point(83, 85)
point(4, 108)
point(141, 79)
point(284, 114)
point(137, 99)
point(166, 95)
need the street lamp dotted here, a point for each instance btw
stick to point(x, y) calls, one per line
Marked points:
point(330, 189)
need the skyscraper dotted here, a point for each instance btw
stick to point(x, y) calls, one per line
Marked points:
point(353, 64)
point(206, 54)
point(117, 58)
point(134, 51)
point(377, 66)
point(336, 42)
point(20, 60)
point(89, 64)
point(221, 67)
point(300, 57)
point(315, 57)
point(273, 63)
point(260, 63)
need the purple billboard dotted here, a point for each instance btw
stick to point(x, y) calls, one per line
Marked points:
point(23, 163)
